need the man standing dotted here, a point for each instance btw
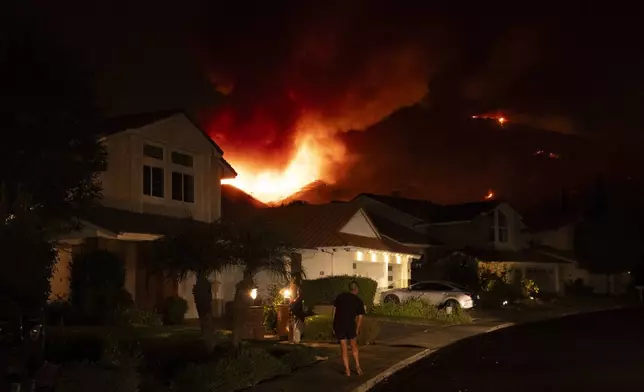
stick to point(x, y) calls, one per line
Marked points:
point(298, 315)
point(348, 311)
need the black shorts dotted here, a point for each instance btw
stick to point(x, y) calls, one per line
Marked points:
point(345, 332)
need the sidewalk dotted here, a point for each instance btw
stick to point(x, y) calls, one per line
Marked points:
point(375, 360)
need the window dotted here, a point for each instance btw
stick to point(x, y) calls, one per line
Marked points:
point(391, 278)
point(390, 268)
point(181, 159)
point(437, 287)
point(502, 221)
point(152, 181)
point(153, 151)
point(183, 187)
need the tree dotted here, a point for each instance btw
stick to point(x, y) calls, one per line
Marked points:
point(49, 160)
point(608, 240)
point(256, 249)
point(200, 249)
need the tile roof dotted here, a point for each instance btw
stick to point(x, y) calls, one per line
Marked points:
point(400, 233)
point(436, 213)
point(121, 221)
point(311, 226)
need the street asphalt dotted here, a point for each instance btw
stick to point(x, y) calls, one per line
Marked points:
point(601, 351)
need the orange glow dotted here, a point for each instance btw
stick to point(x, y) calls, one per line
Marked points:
point(490, 195)
point(501, 120)
point(314, 151)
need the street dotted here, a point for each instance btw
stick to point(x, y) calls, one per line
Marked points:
point(591, 352)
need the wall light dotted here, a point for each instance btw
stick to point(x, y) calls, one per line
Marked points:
point(398, 259)
point(374, 256)
point(359, 256)
point(386, 256)
point(287, 293)
point(253, 293)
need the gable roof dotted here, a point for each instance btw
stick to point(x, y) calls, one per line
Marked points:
point(435, 213)
point(312, 226)
point(400, 233)
point(126, 122)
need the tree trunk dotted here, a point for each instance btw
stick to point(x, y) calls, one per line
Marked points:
point(242, 302)
point(202, 292)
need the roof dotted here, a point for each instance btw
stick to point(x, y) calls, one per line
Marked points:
point(121, 221)
point(525, 255)
point(400, 233)
point(137, 120)
point(436, 213)
point(312, 226)
point(236, 204)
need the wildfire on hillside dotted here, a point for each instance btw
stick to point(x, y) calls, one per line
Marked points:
point(490, 195)
point(494, 116)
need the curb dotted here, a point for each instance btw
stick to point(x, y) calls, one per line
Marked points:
point(367, 385)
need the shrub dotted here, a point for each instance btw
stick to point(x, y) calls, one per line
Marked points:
point(273, 299)
point(320, 328)
point(529, 287)
point(324, 291)
point(174, 310)
point(578, 288)
point(96, 377)
point(238, 370)
point(59, 312)
point(96, 285)
point(135, 316)
point(299, 356)
point(418, 308)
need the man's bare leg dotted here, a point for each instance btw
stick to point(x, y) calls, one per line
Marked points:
point(356, 355)
point(345, 356)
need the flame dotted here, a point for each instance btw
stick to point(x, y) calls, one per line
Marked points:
point(501, 120)
point(490, 195)
point(314, 152)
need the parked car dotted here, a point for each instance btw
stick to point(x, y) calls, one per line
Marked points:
point(438, 293)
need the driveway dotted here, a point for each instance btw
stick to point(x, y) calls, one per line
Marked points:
point(601, 351)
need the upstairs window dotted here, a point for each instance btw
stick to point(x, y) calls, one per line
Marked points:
point(153, 183)
point(151, 151)
point(502, 221)
point(181, 159)
point(183, 187)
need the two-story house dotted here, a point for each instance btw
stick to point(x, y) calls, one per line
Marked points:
point(489, 232)
point(161, 167)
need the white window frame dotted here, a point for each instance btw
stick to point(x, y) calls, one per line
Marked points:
point(183, 170)
point(154, 163)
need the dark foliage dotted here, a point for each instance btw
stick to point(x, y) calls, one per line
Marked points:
point(324, 291)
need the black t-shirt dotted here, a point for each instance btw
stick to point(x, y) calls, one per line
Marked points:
point(347, 307)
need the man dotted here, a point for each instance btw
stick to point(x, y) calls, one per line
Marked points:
point(348, 311)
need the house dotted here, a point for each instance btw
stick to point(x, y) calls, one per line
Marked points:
point(161, 167)
point(556, 238)
point(339, 239)
point(490, 232)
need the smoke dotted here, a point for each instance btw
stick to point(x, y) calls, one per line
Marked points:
point(315, 70)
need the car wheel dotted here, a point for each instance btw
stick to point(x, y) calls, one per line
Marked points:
point(392, 299)
point(452, 303)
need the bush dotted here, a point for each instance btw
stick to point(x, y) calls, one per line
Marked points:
point(174, 310)
point(238, 370)
point(273, 299)
point(324, 291)
point(579, 288)
point(299, 356)
point(135, 316)
point(320, 328)
point(96, 285)
point(96, 377)
point(418, 308)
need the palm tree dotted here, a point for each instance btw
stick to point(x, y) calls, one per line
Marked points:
point(256, 249)
point(196, 248)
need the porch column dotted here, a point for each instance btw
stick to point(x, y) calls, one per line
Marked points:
point(386, 278)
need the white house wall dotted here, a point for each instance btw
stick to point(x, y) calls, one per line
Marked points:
point(358, 225)
point(123, 184)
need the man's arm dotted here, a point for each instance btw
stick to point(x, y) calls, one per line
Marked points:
point(359, 323)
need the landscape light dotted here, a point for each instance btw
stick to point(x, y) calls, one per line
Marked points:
point(253, 293)
point(287, 293)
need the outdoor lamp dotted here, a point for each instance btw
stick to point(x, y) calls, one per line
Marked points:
point(287, 293)
point(253, 293)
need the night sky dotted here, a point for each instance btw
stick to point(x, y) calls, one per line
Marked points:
point(569, 80)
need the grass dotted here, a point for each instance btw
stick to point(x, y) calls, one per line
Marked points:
point(415, 308)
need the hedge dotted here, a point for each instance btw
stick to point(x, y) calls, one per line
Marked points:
point(323, 291)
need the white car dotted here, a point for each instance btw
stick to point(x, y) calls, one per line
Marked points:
point(438, 293)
